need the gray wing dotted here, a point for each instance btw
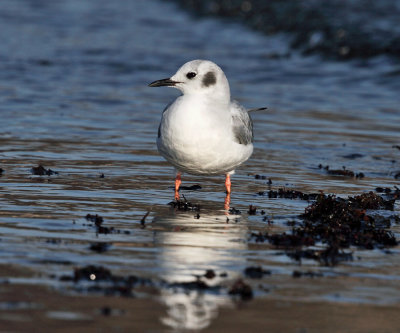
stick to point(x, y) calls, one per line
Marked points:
point(242, 124)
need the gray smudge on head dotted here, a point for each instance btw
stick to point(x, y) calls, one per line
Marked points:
point(209, 79)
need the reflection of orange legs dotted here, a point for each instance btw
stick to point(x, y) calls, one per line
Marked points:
point(228, 191)
point(227, 201)
point(178, 182)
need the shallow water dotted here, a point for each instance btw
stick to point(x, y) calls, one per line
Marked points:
point(74, 98)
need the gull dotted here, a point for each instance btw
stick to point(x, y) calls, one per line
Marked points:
point(203, 131)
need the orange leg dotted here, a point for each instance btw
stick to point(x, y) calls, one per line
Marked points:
point(228, 191)
point(228, 183)
point(178, 182)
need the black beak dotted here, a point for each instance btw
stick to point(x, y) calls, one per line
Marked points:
point(163, 82)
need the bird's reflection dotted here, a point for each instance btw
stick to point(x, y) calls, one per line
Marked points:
point(190, 247)
point(227, 203)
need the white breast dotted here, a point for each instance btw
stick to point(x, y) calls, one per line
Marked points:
point(197, 138)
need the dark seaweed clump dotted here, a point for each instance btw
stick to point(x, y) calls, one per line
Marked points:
point(256, 272)
point(197, 284)
point(263, 177)
point(210, 274)
point(390, 194)
point(330, 256)
point(99, 247)
point(98, 221)
point(101, 229)
point(184, 205)
point(342, 172)
point(191, 188)
point(284, 193)
point(40, 170)
point(252, 210)
point(241, 289)
point(234, 211)
point(91, 273)
point(339, 223)
point(298, 274)
point(99, 279)
point(103, 281)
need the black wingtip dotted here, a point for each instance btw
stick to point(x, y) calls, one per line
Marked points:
point(257, 109)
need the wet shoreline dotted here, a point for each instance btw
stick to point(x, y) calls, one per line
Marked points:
point(338, 30)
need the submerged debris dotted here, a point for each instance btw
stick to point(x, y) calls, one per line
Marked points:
point(99, 279)
point(262, 177)
point(197, 284)
point(103, 281)
point(92, 273)
point(256, 272)
point(383, 189)
point(252, 210)
point(234, 211)
point(191, 188)
point(342, 172)
point(298, 274)
point(99, 247)
point(242, 289)
point(143, 219)
point(98, 221)
point(285, 240)
point(40, 170)
point(289, 194)
point(330, 256)
point(210, 274)
point(353, 156)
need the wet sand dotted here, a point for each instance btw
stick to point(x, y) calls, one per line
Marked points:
point(29, 307)
point(287, 316)
point(38, 308)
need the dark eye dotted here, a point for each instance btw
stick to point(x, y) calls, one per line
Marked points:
point(190, 75)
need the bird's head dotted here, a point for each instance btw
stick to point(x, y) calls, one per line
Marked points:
point(199, 77)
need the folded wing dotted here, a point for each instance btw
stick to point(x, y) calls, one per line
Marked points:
point(242, 124)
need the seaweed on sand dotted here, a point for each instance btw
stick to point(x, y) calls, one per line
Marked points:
point(339, 223)
point(40, 170)
point(184, 205)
